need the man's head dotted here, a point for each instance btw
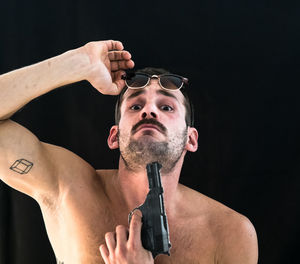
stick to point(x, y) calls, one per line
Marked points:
point(189, 115)
point(153, 124)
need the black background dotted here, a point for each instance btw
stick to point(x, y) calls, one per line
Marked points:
point(242, 60)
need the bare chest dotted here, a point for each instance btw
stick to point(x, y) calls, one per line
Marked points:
point(77, 228)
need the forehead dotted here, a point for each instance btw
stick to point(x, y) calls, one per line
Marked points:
point(153, 90)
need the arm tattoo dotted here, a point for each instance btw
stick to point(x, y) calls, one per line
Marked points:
point(21, 166)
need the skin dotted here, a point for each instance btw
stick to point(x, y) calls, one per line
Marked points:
point(86, 210)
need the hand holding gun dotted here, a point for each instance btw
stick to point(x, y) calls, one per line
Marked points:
point(155, 232)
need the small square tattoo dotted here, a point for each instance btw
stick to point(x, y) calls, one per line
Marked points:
point(21, 166)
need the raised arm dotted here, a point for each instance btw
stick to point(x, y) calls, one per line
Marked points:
point(27, 164)
point(101, 63)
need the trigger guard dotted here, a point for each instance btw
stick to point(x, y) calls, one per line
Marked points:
point(131, 213)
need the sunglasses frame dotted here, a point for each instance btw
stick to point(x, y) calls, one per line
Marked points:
point(183, 80)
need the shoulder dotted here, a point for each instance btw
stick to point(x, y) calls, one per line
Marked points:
point(107, 178)
point(237, 240)
point(234, 234)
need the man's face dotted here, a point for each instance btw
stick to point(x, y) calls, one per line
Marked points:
point(152, 126)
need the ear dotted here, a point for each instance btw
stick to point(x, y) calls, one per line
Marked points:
point(112, 141)
point(192, 143)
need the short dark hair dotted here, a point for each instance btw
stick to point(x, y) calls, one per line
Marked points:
point(189, 114)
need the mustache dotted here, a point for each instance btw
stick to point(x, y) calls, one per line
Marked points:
point(149, 121)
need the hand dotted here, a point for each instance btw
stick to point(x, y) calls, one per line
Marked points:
point(121, 249)
point(108, 61)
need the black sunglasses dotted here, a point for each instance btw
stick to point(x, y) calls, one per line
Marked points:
point(167, 81)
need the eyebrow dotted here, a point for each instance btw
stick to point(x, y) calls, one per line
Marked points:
point(141, 91)
point(165, 93)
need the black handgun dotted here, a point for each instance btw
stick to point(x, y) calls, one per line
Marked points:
point(155, 231)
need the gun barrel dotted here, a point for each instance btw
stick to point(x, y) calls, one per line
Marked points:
point(154, 175)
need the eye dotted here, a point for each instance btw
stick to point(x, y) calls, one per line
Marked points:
point(166, 108)
point(136, 107)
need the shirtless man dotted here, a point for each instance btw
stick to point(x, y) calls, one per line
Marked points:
point(86, 210)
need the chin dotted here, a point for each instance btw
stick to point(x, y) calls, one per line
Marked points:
point(148, 139)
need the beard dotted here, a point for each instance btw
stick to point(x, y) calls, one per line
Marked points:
point(137, 153)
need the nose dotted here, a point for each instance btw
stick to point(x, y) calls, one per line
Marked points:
point(146, 115)
point(149, 111)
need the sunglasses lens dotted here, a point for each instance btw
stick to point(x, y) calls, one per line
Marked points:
point(136, 80)
point(171, 82)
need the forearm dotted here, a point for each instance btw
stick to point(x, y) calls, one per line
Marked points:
point(19, 87)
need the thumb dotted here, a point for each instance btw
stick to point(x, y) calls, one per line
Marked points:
point(117, 82)
point(114, 89)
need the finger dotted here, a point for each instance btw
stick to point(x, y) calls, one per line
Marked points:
point(104, 253)
point(135, 229)
point(122, 235)
point(117, 75)
point(121, 65)
point(119, 55)
point(113, 45)
point(118, 83)
point(110, 239)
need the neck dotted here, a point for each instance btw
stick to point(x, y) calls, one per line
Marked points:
point(133, 186)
